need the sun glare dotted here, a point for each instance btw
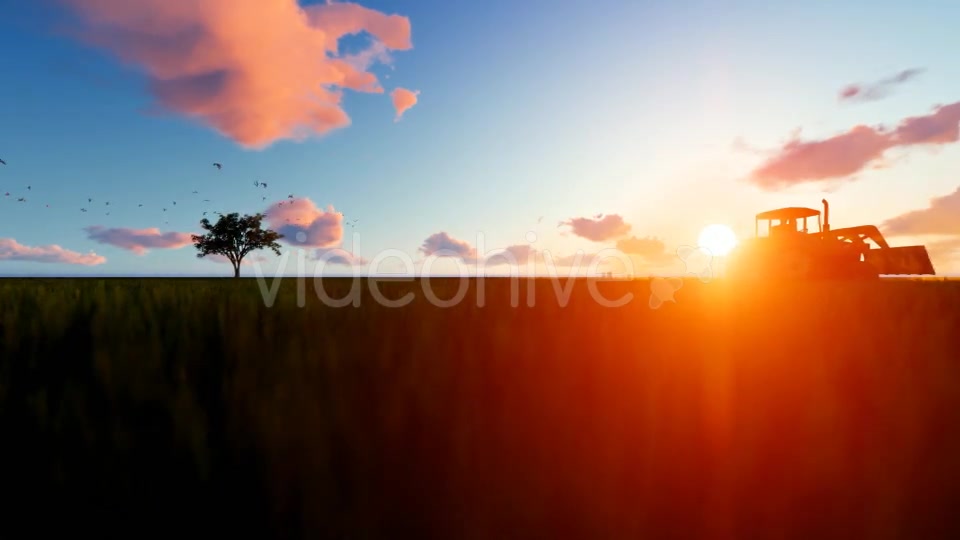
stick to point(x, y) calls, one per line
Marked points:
point(719, 240)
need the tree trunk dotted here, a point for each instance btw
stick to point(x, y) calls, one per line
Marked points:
point(236, 270)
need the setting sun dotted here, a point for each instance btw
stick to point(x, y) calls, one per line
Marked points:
point(717, 239)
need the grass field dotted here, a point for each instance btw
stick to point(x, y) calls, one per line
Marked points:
point(157, 407)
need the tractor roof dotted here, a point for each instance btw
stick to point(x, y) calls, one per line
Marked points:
point(793, 212)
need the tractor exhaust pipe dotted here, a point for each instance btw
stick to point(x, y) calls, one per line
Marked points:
point(826, 216)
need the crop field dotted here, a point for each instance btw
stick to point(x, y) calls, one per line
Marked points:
point(158, 407)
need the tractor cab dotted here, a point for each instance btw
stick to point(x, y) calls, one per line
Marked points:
point(787, 221)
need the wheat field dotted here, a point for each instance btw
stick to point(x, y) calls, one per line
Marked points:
point(150, 407)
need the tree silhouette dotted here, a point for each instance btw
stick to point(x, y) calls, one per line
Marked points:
point(234, 237)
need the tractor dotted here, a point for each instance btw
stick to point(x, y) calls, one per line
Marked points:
point(790, 250)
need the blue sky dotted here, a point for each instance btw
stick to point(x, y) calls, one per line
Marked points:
point(554, 109)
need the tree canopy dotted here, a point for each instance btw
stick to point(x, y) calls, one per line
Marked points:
point(233, 237)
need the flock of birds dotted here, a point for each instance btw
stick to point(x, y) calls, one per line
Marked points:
point(257, 184)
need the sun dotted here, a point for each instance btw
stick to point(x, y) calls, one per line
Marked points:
point(719, 240)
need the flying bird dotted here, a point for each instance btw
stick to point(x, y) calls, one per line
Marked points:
point(174, 203)
point(108, 203)
point(2, 162)
point(540, 220)
point(195, 192)
point(89, 200)
point(256, 183)
point(218, 166)
point(263, 185)
point(28, 188)
point(22, 199)
point(164, 209)
point(205, 200)
point(290, 196)
point(83, 209)
point(139, 206)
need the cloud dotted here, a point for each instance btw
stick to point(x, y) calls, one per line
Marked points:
point(256, 71)
point(403, 100)
point(598, 229)
point(945, 252)
point(519, 254)
point(941, 217)
point(376, 52)
point(11, 250)
point(646, 247)
point(339, 256)
point(441, 244)
point(838, 156)
point(941, 127)
point(740, 145)
point(879, 89)
point(303, 224)
point(138, 241)
point(848, 153)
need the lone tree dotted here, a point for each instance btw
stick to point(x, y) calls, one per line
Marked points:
point(234, 237)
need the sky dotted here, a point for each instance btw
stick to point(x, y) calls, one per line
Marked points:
point(436, 132)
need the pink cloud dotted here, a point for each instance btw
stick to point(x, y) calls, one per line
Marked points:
point(941, 127)
point(11, 250)
point(338, 19)
point(339, 256)
point(138, 241)
point(403, 100)
point(648, 248)
point(598, 229)
point(303, 224)
point(838, 156)
point(519, 254)
point(941, 217)
point(879, 89)
point(256, 71)
point(442, 244)
point(848, 153)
